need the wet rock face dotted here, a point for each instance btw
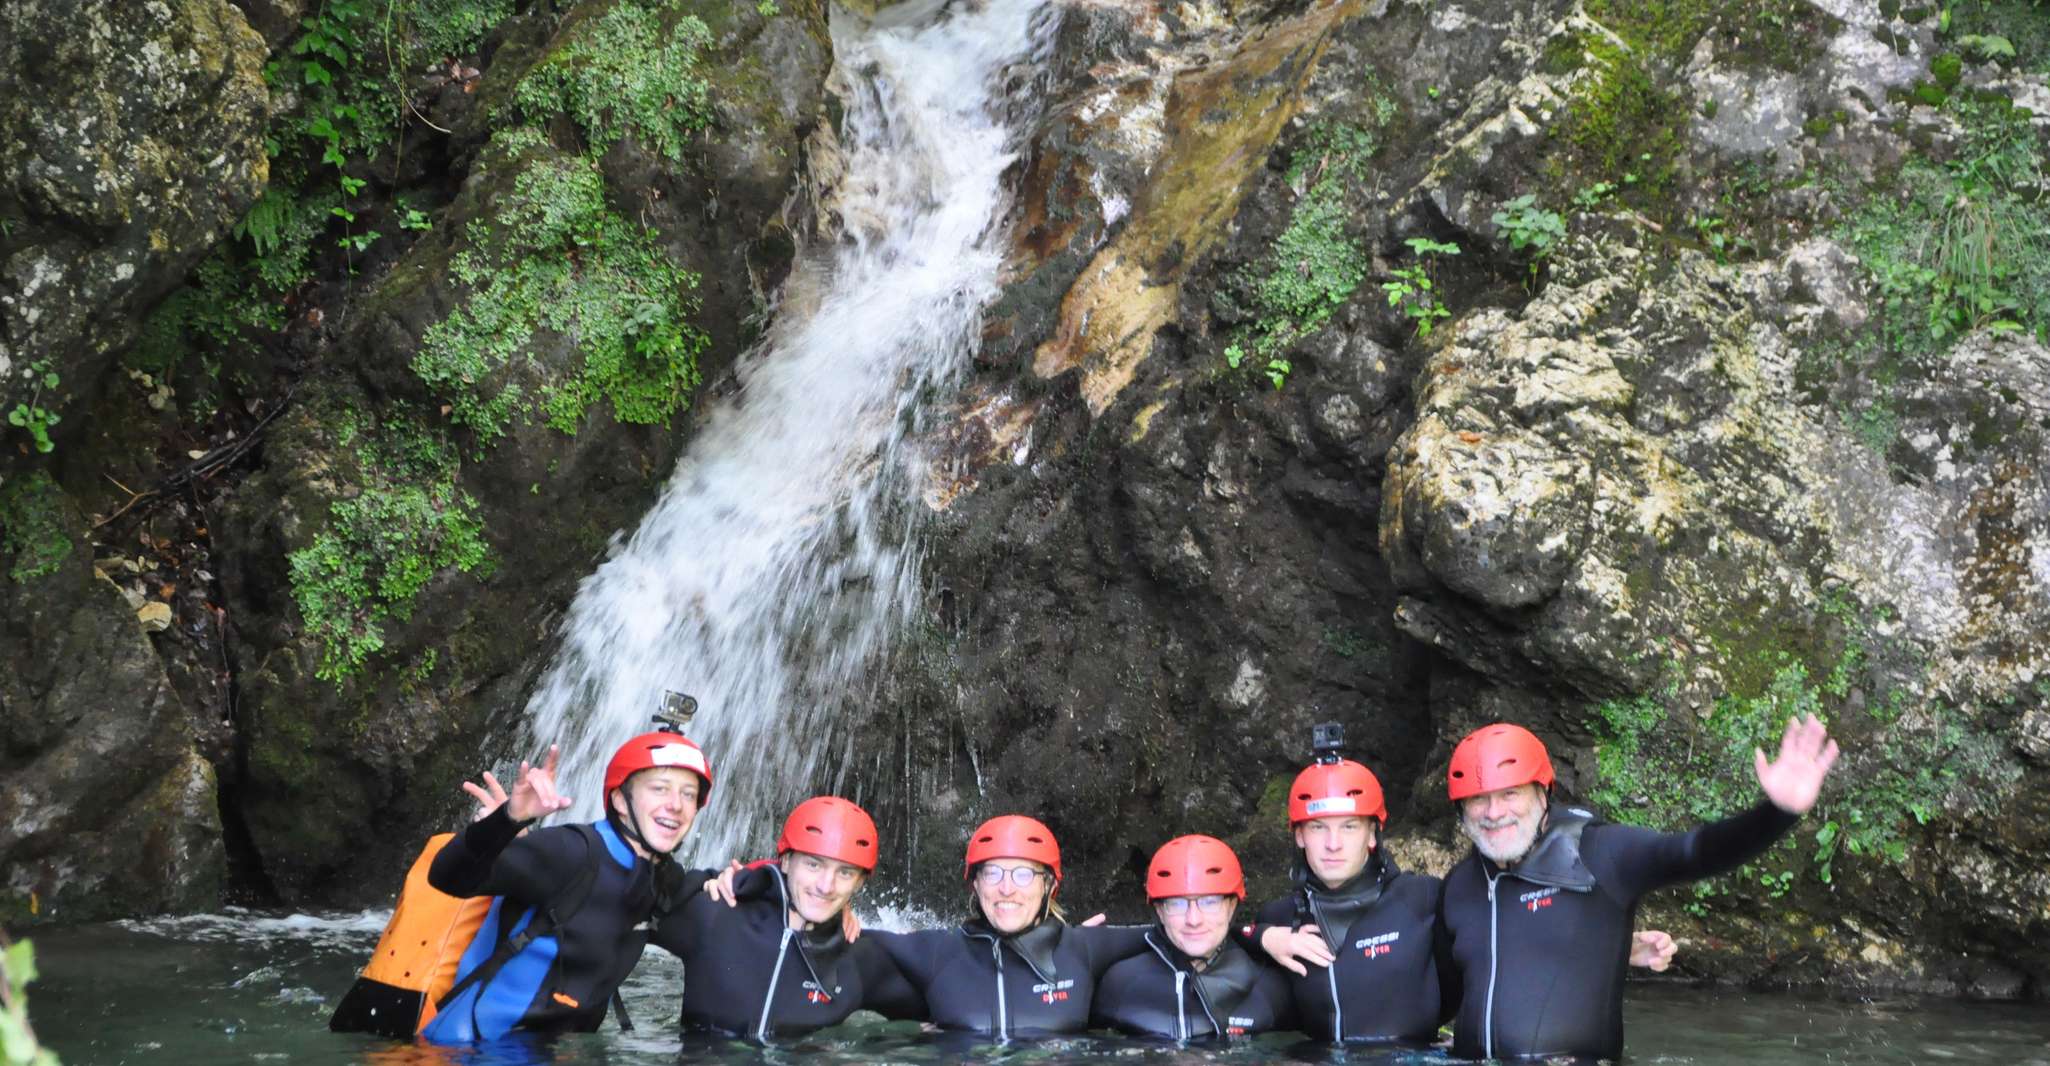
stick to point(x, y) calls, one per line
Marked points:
point(109, 810)
point(1215, 480)
point(132, 136)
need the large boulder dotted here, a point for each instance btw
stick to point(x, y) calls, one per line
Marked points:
point(131, 139)
point(109, 810)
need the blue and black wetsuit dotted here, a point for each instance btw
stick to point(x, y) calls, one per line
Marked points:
point(748, 974)
point(1543, 946)
point(1390, 980)
point(1036, 983)
point(1162, 992)
point(563, 980)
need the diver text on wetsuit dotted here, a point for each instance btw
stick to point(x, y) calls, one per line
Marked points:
point(1039, 982)
point(1543, 946)
point(1389, 980)
point(1161, 993)
point(748, 974)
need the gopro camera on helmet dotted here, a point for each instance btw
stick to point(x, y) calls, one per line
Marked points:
point(675, 711)
point(1327, 742)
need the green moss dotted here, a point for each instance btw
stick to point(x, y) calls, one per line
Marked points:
point(1947, 68)
point(32, 537)
point(407, 522)
point(1316, 264)
point(555, 256)
point(635, 70)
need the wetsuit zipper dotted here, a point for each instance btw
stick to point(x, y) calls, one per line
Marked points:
point(1494, 955)
point(775, 975)
point(996, 952)
point(1181, 1007)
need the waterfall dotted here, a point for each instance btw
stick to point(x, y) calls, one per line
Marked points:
point(771, 575)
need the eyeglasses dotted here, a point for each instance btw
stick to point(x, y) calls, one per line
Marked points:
point(1176, 906)
point(1022, 876)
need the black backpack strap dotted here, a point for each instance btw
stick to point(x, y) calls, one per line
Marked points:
point(547, 918)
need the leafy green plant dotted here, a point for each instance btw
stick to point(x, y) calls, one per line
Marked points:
point(1592, 196)
point(636, 69)
point(1277, 371)
point(31, 414)
point(555, 256)
point(18, 1044)
point(1530, 227)
point(1414, 289)
point(379, 548)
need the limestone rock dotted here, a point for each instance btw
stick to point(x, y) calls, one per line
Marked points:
point(131, 138)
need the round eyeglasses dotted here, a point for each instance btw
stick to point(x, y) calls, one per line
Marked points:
point(993, 875)
point(1176, 906)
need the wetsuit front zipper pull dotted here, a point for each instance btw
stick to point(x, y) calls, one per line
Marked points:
point(996, 952)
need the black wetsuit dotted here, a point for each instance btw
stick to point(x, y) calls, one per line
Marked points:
point(565, 980)
point(1161, 993)
point(1390, 980)
point(748, 974)
point(1036, 983)
point(1543, 947)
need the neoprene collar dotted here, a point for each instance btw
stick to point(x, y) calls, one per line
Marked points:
point(1335, 909)
point(1554, 861)
point(1035, 945)
point(1227, 976)
point(821, 946)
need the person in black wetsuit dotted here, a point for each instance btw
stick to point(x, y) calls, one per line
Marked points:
point(779, 963)
point(1194, 983)
point(565, 978)
point(1016, 968)
point(1539, 914)
point(1369, 928)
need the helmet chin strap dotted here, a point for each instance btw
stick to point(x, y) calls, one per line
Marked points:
point(631, 828)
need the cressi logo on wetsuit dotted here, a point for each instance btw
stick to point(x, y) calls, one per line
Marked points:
point(1542, 948)
point(1160, 993)
point(1386, 983)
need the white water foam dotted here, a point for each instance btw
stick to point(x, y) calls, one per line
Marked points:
point(781, 560)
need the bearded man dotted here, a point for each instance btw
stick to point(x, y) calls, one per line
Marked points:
point(1540, 913)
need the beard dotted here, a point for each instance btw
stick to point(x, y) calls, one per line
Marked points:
point(1504, 850)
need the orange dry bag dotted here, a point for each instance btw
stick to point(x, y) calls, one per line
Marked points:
point(416, 959)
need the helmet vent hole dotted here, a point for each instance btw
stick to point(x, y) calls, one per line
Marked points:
point(814, 830)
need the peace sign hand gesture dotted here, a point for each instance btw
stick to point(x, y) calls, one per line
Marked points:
point(1794, 780)
point(533, 795)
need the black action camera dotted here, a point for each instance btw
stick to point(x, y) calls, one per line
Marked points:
point(675, 712)
point(1327, 741)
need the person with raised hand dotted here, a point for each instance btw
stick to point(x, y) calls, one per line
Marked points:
point(565, 929)
point(1539, 914)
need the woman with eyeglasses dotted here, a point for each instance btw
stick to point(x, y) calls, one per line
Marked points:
point(1016, 968)
point(1195, 983)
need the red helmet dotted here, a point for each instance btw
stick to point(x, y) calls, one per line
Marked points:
point(650, 750)
point(831, 827)
point(1497, 756)
point(1335, 789)
point(1194, 866)
point(1013, 836)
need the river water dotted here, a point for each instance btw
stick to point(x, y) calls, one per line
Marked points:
point(246, 987)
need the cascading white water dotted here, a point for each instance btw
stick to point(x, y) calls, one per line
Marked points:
point(771, 575)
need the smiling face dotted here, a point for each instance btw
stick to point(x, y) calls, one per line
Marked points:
point(1196, 924)
point(819, 887)
point(1336, 848)
point(1008, 906)
point(1504, 823)
point(666, 800)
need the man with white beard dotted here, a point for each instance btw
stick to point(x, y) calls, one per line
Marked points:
point(1540, 914)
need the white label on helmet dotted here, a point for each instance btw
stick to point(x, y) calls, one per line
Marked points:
point(681, 755)
point(1333, 805)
